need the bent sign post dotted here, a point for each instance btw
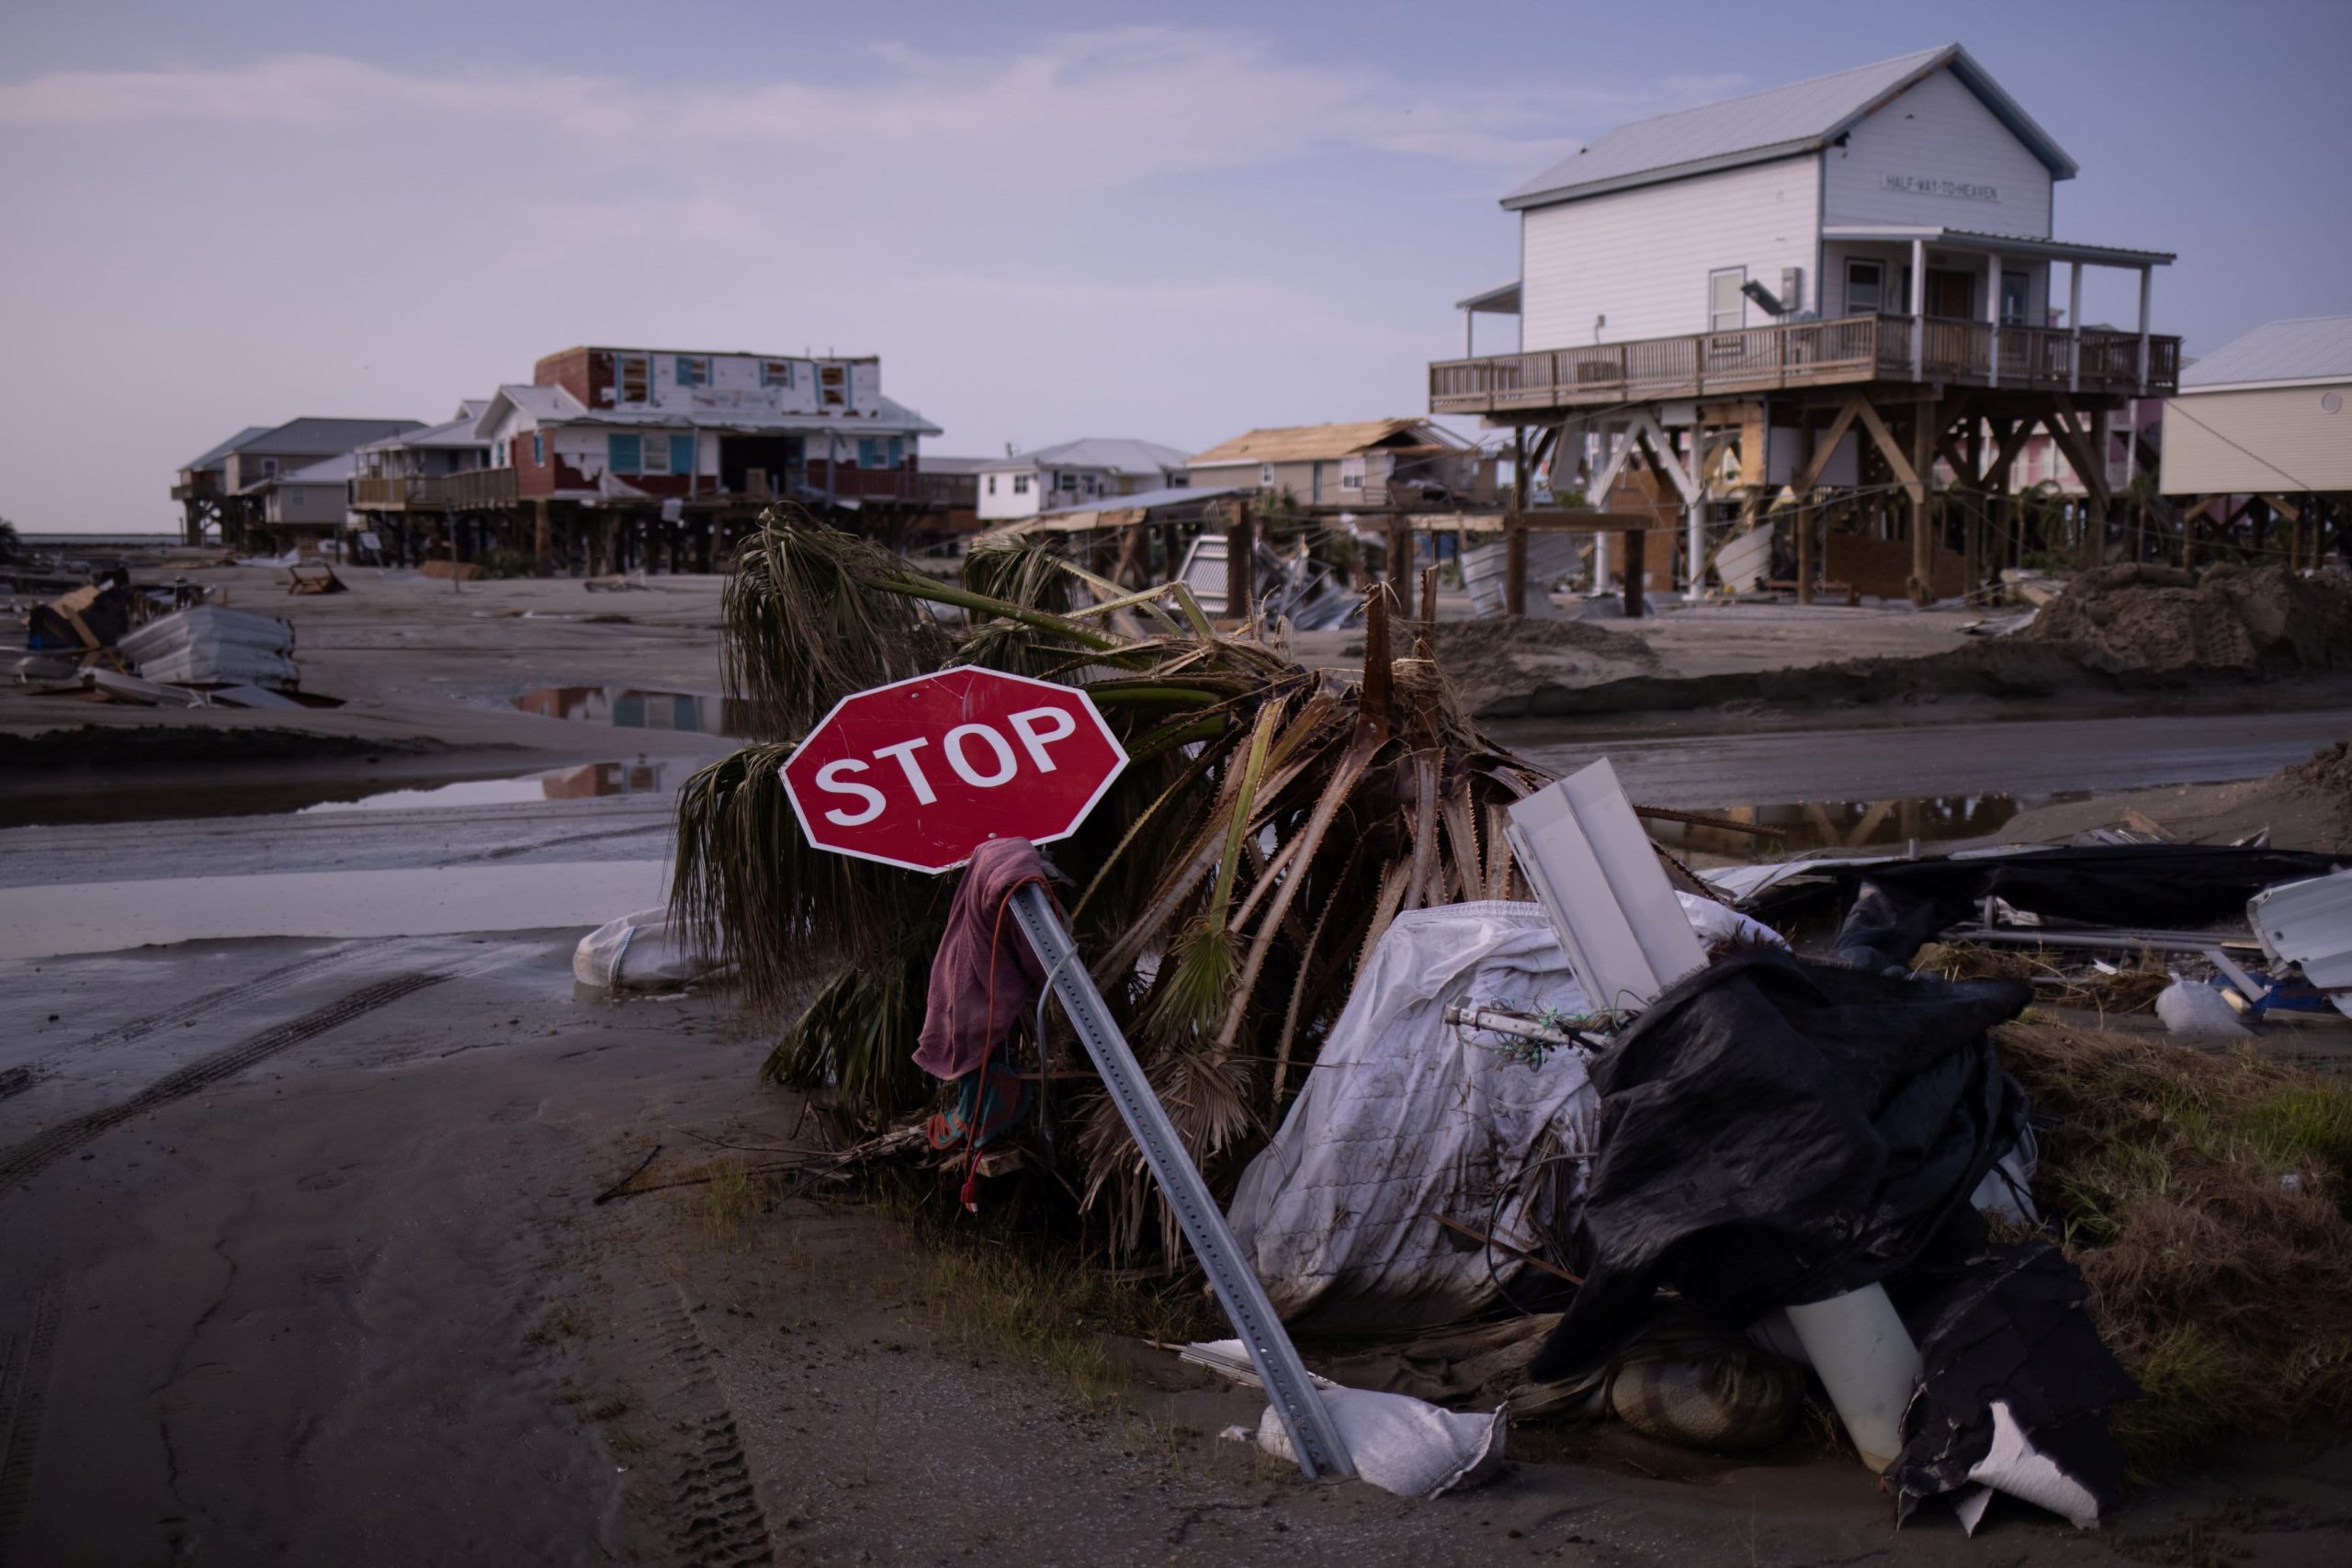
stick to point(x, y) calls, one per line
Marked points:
point(919, 773)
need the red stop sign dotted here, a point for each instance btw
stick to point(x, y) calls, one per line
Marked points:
point(922, 773)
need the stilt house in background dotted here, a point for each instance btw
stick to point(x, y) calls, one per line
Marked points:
point(2260, 434)
point(1821, 289)
point(617, 457)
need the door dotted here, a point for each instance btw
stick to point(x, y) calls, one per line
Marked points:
point(1952, 294)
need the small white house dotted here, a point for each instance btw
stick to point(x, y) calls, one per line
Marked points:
point(2269, 413)
point(1915, 186)
point(1074, 473)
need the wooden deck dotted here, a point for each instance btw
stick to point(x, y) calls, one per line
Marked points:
point(1800, 354)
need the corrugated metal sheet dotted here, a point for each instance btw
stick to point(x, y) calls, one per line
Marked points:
point(2310, 925)
point(2305, 348)
point(1119, 453)
point(1777, 122)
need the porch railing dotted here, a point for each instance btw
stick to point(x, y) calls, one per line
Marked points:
point(1795, 354)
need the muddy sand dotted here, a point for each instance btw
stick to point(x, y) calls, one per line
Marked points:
point(305, 1265)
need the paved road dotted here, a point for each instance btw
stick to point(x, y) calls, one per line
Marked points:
point(2013, 757)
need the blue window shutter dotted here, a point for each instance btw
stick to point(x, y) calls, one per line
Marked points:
point(624, 454)
point(538, 448)
point(865, 452)
point(897, 451)
point(681, 453)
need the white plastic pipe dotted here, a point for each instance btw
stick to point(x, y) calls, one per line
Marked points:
point(1866, 1361)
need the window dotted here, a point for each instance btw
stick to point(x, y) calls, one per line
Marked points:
point(681, 453)
point(1351, 472)
point(775, 373)
point(1865, 288)
point(832, 382)
point(294, 495)
point(992, 484)
point(624, 454)
point(1726, 306)
point(655, 454)
point(693, 370)
point(498, 455)
point(1265, 473)
point(634, 375)
point(1021, 484)
point(2013, 289)
point(539, 449)
point(269, 468)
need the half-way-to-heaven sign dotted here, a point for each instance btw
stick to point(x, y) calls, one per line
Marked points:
point(919, 773)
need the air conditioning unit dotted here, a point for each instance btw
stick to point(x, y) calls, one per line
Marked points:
point(1792, 289)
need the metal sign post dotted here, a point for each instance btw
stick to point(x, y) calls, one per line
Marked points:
point(1313, 1437)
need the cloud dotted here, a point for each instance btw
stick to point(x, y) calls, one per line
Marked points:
point(1088, 109)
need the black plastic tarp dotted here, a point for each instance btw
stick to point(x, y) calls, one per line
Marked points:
point(2113, 884)
point(1774, 1131)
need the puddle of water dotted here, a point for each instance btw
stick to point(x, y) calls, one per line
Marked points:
point(589, 781)
point(109, 917)
point(632, 707)
point(1855, 824)
point(308, 797)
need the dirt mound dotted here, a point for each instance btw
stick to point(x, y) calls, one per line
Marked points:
point(2327, 775)
point(1509, 656)
point(2258, 622)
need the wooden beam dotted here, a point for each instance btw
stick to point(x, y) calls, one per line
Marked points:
point(1821, 452)
point(1904, 474)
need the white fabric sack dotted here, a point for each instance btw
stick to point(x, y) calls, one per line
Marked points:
point(636, 952)
point(1401, 1444)
point(2195, 1011)
point(1404, 1118)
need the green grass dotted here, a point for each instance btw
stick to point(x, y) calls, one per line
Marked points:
point(2205, 1199)
point(1031, 1296)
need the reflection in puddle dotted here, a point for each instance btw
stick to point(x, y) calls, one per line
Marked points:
point(629, 707)
point(1855, 824)
point(586, 781)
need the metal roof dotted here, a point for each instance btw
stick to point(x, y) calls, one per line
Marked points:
point(936, 463)
point(1778, 122)
point(1113, 511)
point(324, 437)
point(458, 431)
point(1500, 300)
point(1312, 443)
point(553, 405)
point(2302, 348)
point(1119, 453)
point(212, 458)
point(326, 470)
point(2005, 244)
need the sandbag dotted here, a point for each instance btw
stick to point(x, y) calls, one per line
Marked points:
point(1401, 1445)
point(643, 951)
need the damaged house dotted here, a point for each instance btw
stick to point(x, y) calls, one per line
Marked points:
point(613, 459)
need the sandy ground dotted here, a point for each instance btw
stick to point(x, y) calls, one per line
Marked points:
point(299, 1256)
point(304, 1265)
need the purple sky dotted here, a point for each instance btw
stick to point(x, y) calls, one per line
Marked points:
point(1051, 220)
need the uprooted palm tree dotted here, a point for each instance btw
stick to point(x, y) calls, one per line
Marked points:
point(1272, 823)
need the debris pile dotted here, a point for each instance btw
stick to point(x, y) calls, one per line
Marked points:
point(1301, 976)
point(2258, 622)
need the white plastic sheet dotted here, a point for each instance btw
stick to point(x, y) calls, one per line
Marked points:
point(637, 953)
point(1406, 1118)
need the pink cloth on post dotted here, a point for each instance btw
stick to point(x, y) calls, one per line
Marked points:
point(981, 942)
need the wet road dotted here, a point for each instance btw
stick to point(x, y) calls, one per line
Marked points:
point(2013, 757)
